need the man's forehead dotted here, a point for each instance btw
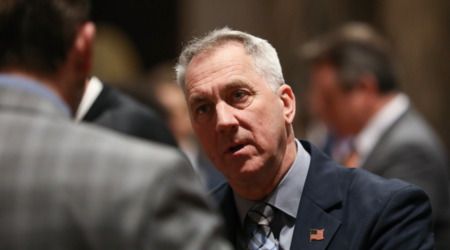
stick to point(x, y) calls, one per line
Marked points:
point(221, 63)
point(219, 47)
point(230, 51)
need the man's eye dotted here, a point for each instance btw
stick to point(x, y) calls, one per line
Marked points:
point(239, 95)
point(202, 109)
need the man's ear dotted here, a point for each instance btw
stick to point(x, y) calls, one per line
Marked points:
point(83, 47)
point(287, 97)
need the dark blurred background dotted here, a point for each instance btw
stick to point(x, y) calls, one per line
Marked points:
point(138, 38)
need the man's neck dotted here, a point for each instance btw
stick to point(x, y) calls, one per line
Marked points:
point(261, 188)
point(35, 86)
point(54, 82)
point(44, 79)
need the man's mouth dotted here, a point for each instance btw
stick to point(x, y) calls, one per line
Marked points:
point(236, 148)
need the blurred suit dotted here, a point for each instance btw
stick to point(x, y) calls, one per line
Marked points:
point(76, 186)
point(409, 150)
point(113, 109)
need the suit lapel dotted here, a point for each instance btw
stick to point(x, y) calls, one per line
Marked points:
point(321, 193)
point(104, 100)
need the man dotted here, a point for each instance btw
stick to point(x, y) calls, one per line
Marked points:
point(354, 90)
point(71, 186)
point(283, 193)
point(109, 107)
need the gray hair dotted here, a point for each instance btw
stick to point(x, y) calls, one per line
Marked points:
point(264, 56)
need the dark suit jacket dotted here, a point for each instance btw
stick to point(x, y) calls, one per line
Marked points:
point(356, 209)
point(116, 110)
point(76, 186)
point(409, 150)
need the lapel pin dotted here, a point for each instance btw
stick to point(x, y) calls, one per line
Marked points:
point(315, 234)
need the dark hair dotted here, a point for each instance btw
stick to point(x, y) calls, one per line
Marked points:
point(355, 49)
point(37, 34)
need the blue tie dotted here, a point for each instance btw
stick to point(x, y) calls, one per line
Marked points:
point(257, 226)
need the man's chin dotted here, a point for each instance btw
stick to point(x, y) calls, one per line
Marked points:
point(245, 174)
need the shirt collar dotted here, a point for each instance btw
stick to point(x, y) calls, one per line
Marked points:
point(383, 119)
point(286, 196)
point(13, 81)
point(93, 89)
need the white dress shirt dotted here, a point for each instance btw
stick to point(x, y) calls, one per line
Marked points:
point(95, 86)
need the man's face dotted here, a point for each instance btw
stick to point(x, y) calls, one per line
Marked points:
point(341, 110)
point(238, 119)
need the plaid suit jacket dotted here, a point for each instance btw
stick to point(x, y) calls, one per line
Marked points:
point(73, 186)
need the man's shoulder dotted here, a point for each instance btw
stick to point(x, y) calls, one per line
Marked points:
point(370, 193)
point(123, 103)
point(113, 102)
point(352, 184)
point(118, 111)
point(367, 195)
point(105, 141)
point(86, 155)
point(411, 129)
point(410, 140)
point(374, 209)
point(364, 182)
point(91, 142)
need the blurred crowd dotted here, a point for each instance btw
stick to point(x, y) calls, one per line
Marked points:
point(360, 118)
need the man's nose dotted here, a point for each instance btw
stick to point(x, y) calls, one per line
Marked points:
point(226, 119)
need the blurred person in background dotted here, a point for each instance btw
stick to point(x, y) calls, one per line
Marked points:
point(354, 90)
point(284, 193)
point(171, 98)
point(75, 186)
point(111, 108)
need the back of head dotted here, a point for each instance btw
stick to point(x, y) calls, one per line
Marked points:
point(264, 56)
point(355, 49)
point(37, 34)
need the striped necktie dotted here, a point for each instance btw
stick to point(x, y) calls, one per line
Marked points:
point(257, 228)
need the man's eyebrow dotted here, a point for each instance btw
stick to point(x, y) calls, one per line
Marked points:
point(235, 84)
point(197, 99)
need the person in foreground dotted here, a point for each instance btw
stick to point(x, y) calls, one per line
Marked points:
point(72, 186)
point(284, 193)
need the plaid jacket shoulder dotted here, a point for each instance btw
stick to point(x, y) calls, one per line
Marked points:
point(71, 186)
